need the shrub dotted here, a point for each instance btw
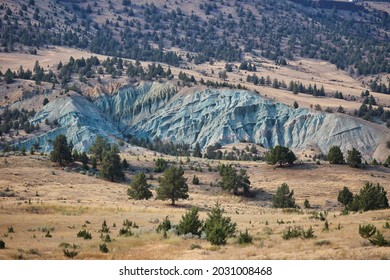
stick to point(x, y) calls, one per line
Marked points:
point(387, 225)
point(195, 180)
point(164, 226)
point(322, 243)
point(190, 223)
point(379, 240)
point(345, 197)
point(306, 204)
point(105, 228)
point(326, 226)
point(370, 197)
point(125, 231)
point(283, 197)
point(70, 253)
point(129, 224)
point(291, 233)
point(107, 238)
point(161, 165)
point(245, 238)
point(367, 231)
point(308, 233)
point(2, 244)
point(103, 248)
point(195, 246)
point(10, 229)
point(217, 227)
point(84, 234)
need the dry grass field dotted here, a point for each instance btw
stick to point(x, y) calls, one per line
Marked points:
point(43, 197)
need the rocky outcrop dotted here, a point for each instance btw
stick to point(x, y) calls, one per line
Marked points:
point(78, 119)
point(205, 117)
point(227, 116)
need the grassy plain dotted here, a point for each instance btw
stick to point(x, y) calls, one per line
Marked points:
point(44, 197)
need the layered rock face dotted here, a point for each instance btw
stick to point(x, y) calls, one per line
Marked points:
point(204, 116)
point(78, 119)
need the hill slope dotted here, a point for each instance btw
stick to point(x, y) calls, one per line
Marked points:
point(203, 116)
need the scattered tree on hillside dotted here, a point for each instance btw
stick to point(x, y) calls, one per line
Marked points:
point(84, 160)
point(139, 188)
point(111, 164)
point(8, 76)
point(345, 196)
point(197, 151)
point(280, 155)
point(370, 197)
point(99, 146)
point(173, 185)
point(161, 165)
point(354, 158)
point(335, 156)
point(190, 223)
point(61, 150)
point(231, 181)
point(283, 197)
point(217, 227)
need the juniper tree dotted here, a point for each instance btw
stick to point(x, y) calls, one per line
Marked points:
point(197, 151)
point(335, 156)
point(173, 185)
point(283, 197)
point(61, 150)
point(111, 165)
point(280, 155)
point(139, 188)
point(370, 197)
point(354, 158)
point(217, 227)
point(99, 146)
point(345, 196)
point(190, 222)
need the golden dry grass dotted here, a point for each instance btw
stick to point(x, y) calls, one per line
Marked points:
point(68, 202)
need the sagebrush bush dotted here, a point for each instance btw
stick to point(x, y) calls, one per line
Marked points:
point(322, 243)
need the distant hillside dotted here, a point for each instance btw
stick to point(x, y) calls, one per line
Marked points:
point(348, 35)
